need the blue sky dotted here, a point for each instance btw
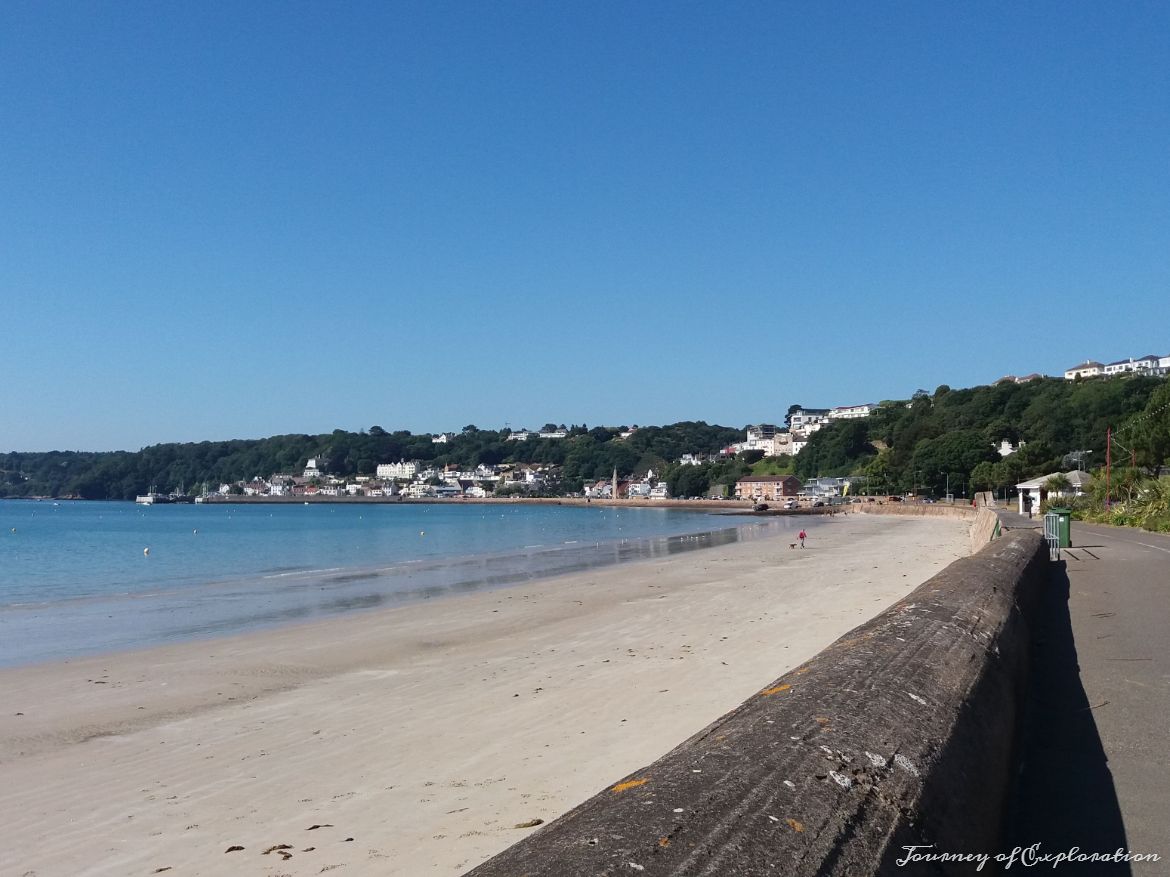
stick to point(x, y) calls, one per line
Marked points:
point(237, 220)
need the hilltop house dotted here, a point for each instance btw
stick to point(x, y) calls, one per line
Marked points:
point(1090, 368)
point(1143, 365)
point(850, 412)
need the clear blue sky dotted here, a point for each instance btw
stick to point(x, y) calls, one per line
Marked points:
point(228, 220)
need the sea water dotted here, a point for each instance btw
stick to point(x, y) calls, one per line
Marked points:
point(81, 578)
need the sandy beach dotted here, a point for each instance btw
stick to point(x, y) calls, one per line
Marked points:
point(423, 739)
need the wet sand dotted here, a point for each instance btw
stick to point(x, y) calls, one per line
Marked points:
point(416, 740)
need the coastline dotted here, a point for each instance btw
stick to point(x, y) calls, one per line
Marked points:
point(697, 505)
point(426, 732)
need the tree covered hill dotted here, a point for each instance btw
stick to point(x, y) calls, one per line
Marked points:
point(922, 443)
point(584, 454)
point(918, 444)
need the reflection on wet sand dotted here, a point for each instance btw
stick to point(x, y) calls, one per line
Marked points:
point(288, 595)
point(363, 589)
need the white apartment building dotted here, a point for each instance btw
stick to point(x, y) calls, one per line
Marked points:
point(554, 434)
point(442, 438)
point(808, 420)
point(849, 412)
point(1145, 363)
point(767, 438)
point(521, 436)
point(401, 469)
point(312, 470)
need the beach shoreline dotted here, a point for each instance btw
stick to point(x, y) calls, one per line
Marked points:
point(424, 732)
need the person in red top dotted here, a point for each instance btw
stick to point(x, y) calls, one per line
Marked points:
point(802, 537)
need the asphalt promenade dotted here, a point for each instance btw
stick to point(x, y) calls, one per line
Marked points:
point(1095, 761)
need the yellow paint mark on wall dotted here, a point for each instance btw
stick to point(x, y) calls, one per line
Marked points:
point(802, 671)
point(663, 841)
point(821, 720)
point(776, 690)
point(794, 825)
point(630, 784)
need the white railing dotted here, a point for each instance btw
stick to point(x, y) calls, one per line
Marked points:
point(1052, 535)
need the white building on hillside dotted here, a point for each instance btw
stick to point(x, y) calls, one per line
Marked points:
point(1142, 364)
point(1005, 447)
point(1090, 368)
point(808, 420)
point(849, 412)
point(401, 469)
point(767, 438)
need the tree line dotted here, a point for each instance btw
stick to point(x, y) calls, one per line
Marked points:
point(929, 443)
point(584, 455)
point(949, 438)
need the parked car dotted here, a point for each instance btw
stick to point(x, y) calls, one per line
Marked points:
point(791, 504)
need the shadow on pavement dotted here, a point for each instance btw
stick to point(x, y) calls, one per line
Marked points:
point(1064, 794)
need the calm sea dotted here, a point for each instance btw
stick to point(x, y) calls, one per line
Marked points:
point(75, 577)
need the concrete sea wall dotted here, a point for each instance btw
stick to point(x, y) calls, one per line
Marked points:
point(900, 733)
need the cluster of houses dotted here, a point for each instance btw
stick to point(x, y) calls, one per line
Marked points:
point(627, 488)
point(1142, 365)
point(777, 442)
point(1150, 364)
point(404, 478)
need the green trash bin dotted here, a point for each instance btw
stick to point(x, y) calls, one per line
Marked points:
point(1063, 525)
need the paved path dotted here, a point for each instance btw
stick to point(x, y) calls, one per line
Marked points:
point(1096, 770)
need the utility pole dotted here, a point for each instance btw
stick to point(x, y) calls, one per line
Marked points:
point(1108, 461)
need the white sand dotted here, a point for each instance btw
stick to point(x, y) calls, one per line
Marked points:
point(419, 737)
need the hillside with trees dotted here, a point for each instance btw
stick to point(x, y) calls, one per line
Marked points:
point(585, 454)
point(952, 435)
point(924, 444)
